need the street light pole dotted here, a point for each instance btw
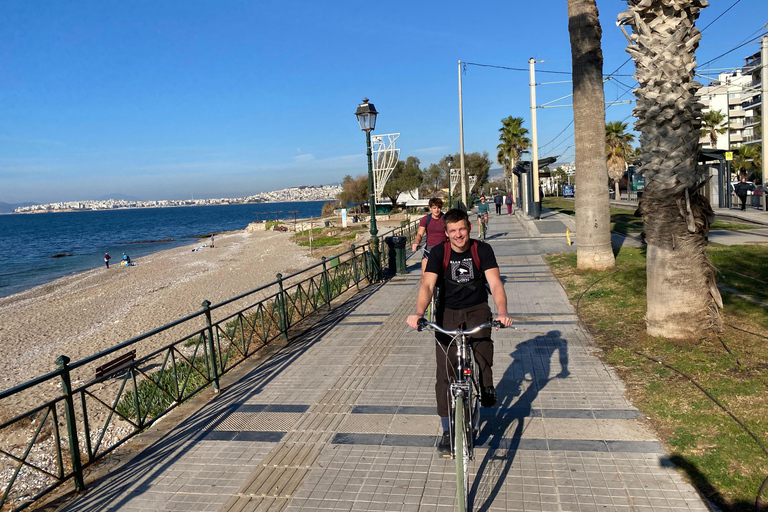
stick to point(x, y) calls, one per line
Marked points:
point(366, 115)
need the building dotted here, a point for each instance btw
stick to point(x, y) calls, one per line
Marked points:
point(737, 95)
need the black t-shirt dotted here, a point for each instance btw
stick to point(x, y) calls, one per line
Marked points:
point(464, 282)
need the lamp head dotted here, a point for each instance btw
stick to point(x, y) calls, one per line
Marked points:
point(366, 115)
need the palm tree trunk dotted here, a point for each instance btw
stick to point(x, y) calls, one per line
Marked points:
point(593, 244)
point(682, 296)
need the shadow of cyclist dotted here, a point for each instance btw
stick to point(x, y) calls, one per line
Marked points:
point(501, 428)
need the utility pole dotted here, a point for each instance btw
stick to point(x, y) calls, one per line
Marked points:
point(764, 92)
point(534, 141)
point(461, 150)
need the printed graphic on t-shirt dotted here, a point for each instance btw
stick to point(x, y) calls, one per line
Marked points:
point(462, 271)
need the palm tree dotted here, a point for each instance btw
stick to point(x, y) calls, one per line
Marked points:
point(514, 142)
point(593, 218)
point(618, 150)
point(711, 122)
point(682, 296)
point(748, 157)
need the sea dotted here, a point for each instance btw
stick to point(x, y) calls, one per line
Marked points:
point(30, 242)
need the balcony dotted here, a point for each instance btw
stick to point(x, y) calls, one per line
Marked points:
point(752, 138)
point(748, 121)
point(736, 137)
point(736, 113)
point(751, 103)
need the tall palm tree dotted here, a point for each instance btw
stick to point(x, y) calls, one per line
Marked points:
point(514, 142)
point(593, 218)
point(682, 296)
point(711, 122)
point(618, 149)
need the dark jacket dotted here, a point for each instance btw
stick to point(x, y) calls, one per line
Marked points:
point(742, 188)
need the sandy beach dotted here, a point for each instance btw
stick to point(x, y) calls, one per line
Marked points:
point(83, 314)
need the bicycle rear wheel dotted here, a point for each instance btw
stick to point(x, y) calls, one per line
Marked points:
point(461, 449)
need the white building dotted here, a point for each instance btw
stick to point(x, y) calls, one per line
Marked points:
point(737, 95)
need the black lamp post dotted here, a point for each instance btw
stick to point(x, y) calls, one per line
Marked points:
point(366, 115)
point(449, 161)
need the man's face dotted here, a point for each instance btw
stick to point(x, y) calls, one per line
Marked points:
point(458, 234)
point(435, 210)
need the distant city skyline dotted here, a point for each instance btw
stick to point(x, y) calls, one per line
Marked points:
point(162, 100)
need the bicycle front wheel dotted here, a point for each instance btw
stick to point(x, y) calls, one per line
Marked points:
point(461, 449)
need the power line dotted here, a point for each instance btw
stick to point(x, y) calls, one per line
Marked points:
point(721, 15)
point(732, 50)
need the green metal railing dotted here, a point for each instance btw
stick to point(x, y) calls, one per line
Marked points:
point(54, 442)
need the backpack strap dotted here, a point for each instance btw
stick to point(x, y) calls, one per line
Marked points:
point(447, 255)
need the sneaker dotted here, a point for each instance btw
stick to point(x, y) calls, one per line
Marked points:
point(444, 445)
point(488, 396)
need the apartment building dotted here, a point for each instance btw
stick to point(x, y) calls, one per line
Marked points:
point(737, 95)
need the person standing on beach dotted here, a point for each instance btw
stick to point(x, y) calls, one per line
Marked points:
point(106, 259)
point(211, 240)
point(432, 227)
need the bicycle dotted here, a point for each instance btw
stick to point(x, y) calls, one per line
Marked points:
point(483, 228)
point(464, 394)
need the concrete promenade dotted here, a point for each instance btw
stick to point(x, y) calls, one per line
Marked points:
point(344, 419)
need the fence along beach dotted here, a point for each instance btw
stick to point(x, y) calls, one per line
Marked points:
point(89, 312)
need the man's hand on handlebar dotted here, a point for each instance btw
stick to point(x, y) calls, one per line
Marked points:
point(505, 320)
point(413, 320)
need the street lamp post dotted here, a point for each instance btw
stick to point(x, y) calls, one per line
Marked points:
point(366, 115)
point(449, 161)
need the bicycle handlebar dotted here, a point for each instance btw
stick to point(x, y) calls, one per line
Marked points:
point(422, 323)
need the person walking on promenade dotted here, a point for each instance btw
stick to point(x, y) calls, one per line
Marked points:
point(464, 301)
point(106, 259)
point(741, 190)
point(498, 200)
point(510, 203)
point(483, 209)
point(431, 226)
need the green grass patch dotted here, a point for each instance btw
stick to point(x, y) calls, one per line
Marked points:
point(729, 226)
point(716, 453)
point(325, 241)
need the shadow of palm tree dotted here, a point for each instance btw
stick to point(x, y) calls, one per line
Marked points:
point(529, 372)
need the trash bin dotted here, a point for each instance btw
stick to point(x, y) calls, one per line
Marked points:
point(396, 246)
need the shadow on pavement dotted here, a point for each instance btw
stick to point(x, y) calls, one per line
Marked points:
point(531, 363)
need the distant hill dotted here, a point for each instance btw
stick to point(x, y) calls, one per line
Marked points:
point(9, 207)
point(117, 197)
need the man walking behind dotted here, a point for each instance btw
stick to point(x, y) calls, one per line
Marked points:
point(498, 201)
point(465, 301)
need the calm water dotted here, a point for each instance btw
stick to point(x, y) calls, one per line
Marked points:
point(27, 242)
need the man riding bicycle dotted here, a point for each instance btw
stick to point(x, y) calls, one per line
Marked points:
point(483, 208)
point(465, 301)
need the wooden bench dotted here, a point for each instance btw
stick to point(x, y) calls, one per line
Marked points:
point(115, 364)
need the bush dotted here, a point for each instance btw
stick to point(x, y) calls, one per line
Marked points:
point(329, 207)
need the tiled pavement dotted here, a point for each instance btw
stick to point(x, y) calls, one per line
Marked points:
point(343, 419)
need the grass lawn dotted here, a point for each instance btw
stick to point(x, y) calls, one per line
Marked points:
point(717, 454)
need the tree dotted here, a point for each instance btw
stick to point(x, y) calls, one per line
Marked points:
point(593, 218)
point(478, 164)
point(682, 295)
point(513, 144)
point(431, 179)
point(405, 177)
point(747, 158)
point(618, 150)
point(711, 122)
point(354, 190)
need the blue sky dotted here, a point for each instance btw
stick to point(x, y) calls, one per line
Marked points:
point(173, 99)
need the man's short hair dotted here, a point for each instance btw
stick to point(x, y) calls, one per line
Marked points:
point(453, 216)
point(436, 201)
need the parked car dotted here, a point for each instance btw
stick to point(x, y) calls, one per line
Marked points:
point(568, 191)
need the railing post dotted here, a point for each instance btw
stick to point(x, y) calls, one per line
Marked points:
point(212, 368)
point(355, 270)
point(74, 447)
point(282, 314)
point(326, 284)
